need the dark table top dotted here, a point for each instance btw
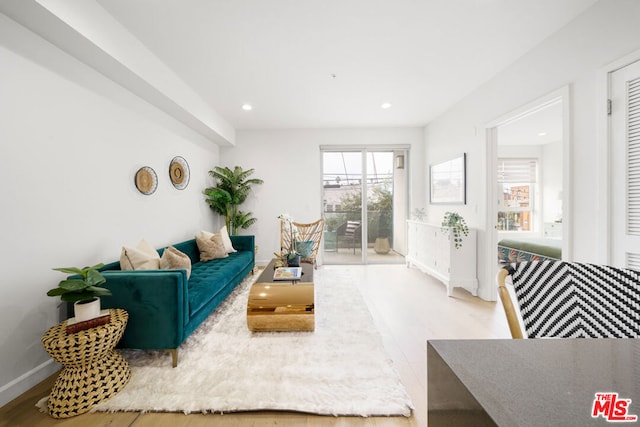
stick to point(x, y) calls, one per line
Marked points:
point(267, 275)
point(545, 382)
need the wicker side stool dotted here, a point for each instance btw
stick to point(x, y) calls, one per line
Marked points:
point(92, 370)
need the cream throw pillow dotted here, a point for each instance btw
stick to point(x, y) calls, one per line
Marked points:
point(142, 257)
point(206, 234)
point(174, 259)
point(226, 240)
point(212, 248)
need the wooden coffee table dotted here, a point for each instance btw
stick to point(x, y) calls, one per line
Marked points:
point(282, 305)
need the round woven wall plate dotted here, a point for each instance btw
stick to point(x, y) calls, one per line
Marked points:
point(179, 172)
point(146, 180)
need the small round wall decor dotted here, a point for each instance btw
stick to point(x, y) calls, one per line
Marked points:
point(146, 180)
point(179, 173)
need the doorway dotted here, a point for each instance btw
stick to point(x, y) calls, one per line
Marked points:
point(528, 173)
point(363, 199)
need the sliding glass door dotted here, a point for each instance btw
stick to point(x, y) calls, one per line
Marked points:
point(358, 205)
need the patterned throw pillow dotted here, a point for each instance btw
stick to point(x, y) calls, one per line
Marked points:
point(174, 259)
point(212, 248)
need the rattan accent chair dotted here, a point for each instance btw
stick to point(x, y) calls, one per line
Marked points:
point(311, 232)
point(556, 299)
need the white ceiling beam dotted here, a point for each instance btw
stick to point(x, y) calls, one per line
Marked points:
point(86, 31)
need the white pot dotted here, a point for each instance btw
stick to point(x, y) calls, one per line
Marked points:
point(86, 309)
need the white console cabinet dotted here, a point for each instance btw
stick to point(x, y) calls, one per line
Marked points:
point(433, 252)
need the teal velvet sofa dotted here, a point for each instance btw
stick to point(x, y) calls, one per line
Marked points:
point(164, 307)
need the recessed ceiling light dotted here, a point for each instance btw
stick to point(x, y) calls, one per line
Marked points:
point(247, 107)
point(386, 105)
point(542, 134)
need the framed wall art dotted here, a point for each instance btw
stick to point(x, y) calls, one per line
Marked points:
point(179, 173)
point(146, 180)
point(448, 181)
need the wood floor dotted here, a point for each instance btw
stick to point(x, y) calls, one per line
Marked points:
point(408, 308)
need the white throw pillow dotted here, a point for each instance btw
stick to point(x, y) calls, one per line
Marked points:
point(142, 257)
point(226, 240)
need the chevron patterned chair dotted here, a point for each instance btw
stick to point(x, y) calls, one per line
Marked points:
point(571, 300)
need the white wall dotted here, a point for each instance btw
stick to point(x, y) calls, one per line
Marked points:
point(573, 56)
point(552, 182)
point(70, 143)
point(289, 163)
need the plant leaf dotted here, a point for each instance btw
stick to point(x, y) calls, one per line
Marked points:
point(69, 270)
point(56, 292)
point(99, 291)
point(77, 296)
point(73, 285)
point(95, 278)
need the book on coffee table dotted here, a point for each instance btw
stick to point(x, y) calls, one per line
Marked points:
point(287, 273)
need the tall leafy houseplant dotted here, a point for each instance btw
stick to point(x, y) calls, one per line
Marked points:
point(231, 190)
point(455, 223)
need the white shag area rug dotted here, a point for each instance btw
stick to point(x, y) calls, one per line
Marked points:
point(339, 369)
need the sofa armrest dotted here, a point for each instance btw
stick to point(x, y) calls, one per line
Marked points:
point(243, 243)
point(157, 303)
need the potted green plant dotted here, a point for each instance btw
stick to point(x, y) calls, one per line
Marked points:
point(330, 235)
point(291, 256)
point(455, 224)
point(83, 290)
point(380, 208)
point(231, 190)
point(382, 245)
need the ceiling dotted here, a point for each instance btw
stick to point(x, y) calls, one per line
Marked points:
point(538, 127)
point(333, 63)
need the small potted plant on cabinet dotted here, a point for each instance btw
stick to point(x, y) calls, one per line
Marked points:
point(455, 224)
point(83, 291)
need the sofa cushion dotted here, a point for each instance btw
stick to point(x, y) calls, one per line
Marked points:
point(142, 257)
point(174, 259)
point(212, 248)
point(210, 278)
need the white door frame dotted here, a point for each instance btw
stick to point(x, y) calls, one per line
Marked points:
point(491, 143)
point(604, 152)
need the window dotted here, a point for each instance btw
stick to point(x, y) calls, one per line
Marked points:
point(516, 194)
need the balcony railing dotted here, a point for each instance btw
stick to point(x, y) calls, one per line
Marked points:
point(379, 223)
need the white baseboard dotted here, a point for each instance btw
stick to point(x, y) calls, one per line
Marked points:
point(24, 382)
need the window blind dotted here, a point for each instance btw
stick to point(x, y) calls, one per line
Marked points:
point(517, 171)
point(633, 261)
point(633, 157)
